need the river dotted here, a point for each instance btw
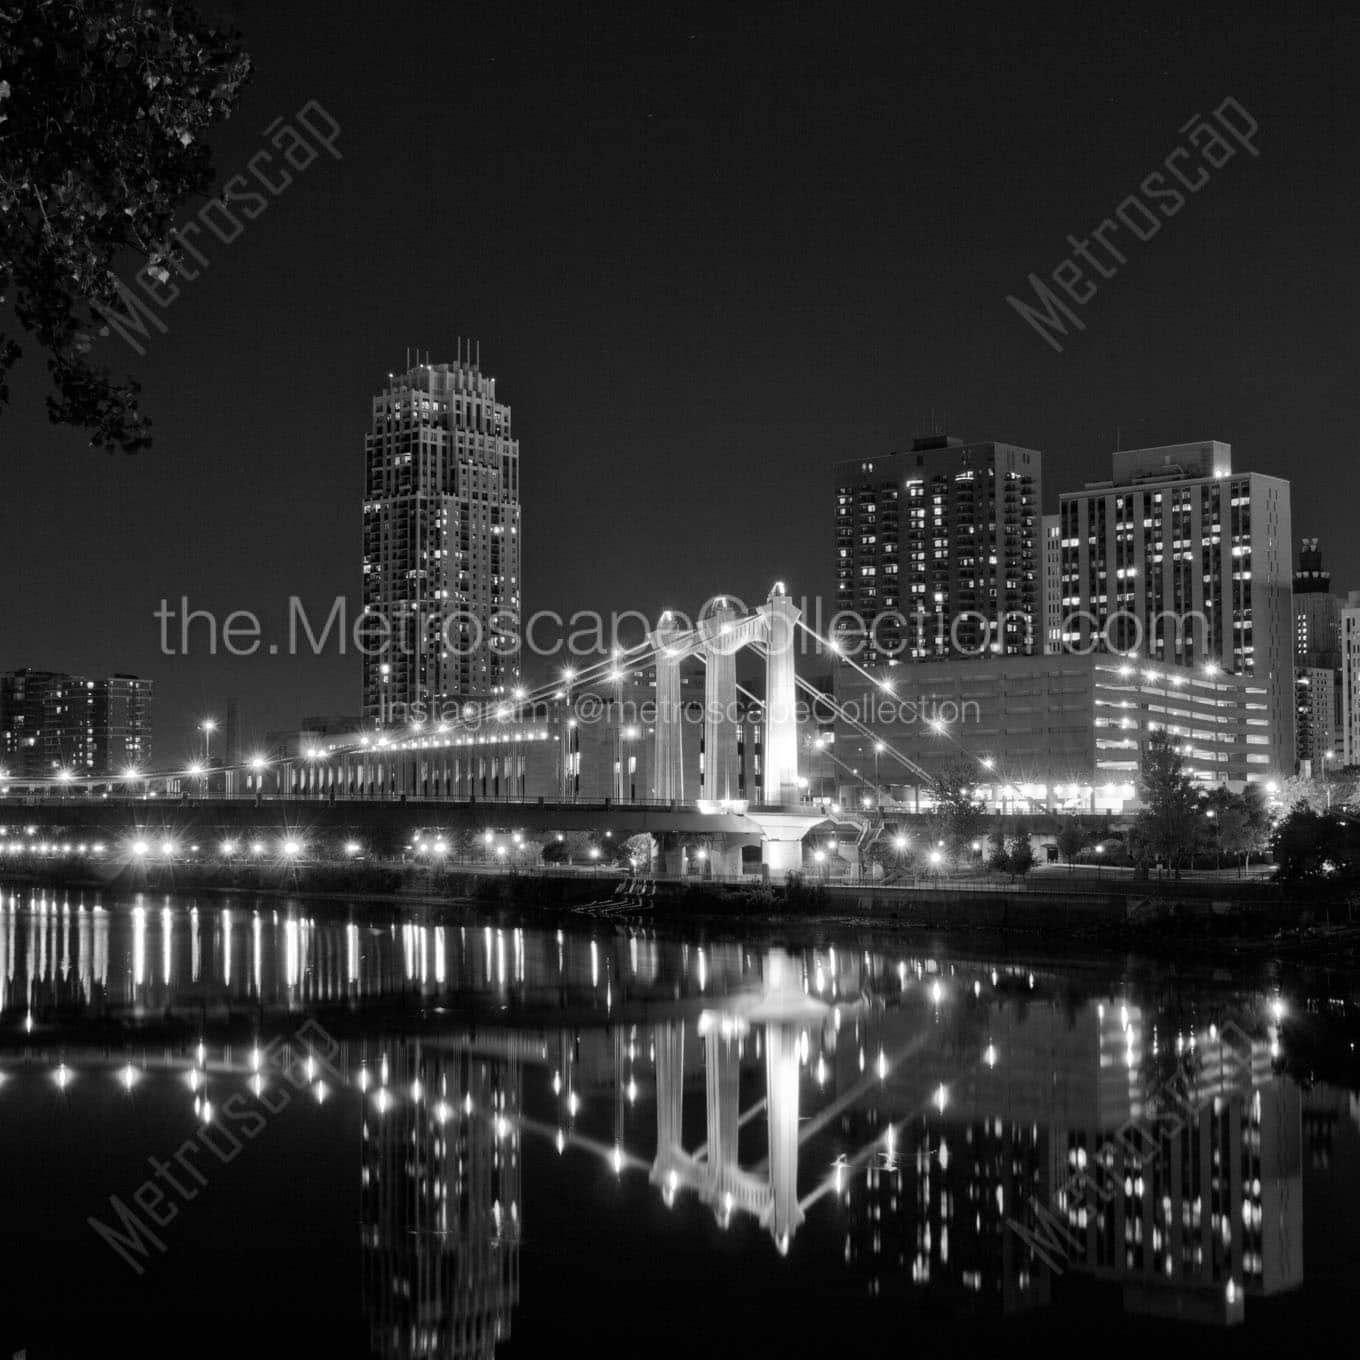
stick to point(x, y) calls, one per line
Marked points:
point(235, 1123)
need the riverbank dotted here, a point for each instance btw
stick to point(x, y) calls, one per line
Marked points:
point(1124, 912)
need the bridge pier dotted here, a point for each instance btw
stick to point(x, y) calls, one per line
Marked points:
point(782, 840)
point(725, 859)
point(671, 854)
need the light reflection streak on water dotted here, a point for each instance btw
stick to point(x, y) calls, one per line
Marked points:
point(769, 1052)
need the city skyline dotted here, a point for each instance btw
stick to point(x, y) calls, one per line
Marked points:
point(695, 654)
point(606, 369)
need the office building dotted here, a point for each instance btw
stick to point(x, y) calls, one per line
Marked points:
point(52, 722)
point(1051, 533)
point(1052, 732)
point(937, 551)
point(120, 724)
point(1178, 560)
point(1350, 679)
point(1317, 662)
point(441, 560)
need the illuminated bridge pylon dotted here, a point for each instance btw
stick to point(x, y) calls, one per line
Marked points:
point(714, 1172)
point(717, 640)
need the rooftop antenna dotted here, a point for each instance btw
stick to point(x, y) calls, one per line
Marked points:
point(479, 355)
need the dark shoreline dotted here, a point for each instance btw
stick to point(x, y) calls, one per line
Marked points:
point(1191, 917)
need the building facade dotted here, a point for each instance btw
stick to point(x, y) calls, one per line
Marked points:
point(1350, 679)
point(590, 742)
point(1180, 561)
point(938, 552)
point(1317, 662)
point(120, 724)
point(1060, 732)
point(51, 723)
point(1052, 595)
point(441, 560)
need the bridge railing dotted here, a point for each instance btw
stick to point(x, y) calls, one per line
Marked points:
point(60, 798)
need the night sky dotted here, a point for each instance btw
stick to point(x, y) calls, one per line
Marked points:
point(707, 252)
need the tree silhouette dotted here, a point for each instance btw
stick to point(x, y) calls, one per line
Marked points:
point(1166, 820)
point(103, 109)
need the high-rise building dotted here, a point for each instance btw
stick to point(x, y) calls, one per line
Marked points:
point(938, 553)
point(1051, 526)
point(52, 722)
point(1317, 661)
point(1350, 680)
point(441, 544)
point(1317, 612)
point(1181, 561)
point(1061, 732)
point(121, 723)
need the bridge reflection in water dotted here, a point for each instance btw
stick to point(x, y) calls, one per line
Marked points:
point(961, 1128)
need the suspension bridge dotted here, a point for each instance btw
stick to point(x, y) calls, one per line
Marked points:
point(474, 769)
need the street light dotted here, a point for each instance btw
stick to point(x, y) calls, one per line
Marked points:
point(208, 726)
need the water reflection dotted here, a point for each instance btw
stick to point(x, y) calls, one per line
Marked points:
point(440, 1200)
point(985, 1136)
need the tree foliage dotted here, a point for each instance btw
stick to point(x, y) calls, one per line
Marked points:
point(1020, 854)
point(958, 819)
point(1332, 789)
point(1313, 846)
point(103, 108)
point(1166, 822)
point(1013, 855)
point(1072, 839)
point(1235, 825)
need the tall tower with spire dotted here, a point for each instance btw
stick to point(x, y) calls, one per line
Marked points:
point(441, 558)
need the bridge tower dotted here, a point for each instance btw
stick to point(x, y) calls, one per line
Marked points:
point(720, 644)
point(780, 752)
point(669, 761)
